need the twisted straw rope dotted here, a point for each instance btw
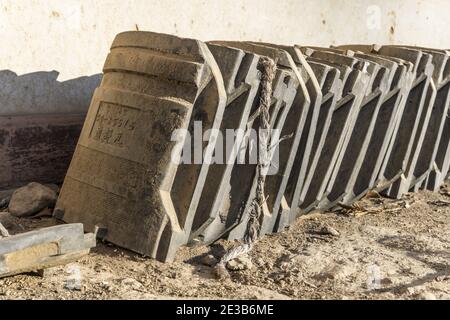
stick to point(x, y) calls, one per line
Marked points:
point(268, 69)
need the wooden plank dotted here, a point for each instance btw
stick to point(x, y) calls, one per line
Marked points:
point(43, 248)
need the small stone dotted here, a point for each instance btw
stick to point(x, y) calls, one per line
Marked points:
point(240, 263)
point(3, 232)
point(427, 296)
point(221, 273)
point(330, 230)
point(386, 281)
point(410, 290)
point(132, 283)
point(209, 260)
point(325, 276)
point(43, 273)
point(31, 199)
point(73, 285)
point(442, 278)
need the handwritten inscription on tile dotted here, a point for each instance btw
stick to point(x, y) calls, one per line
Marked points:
point(114, 124)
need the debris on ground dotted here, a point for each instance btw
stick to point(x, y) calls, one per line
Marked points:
point(439, 203)
point(240, 263)
point(389, 255)
point(43, 248)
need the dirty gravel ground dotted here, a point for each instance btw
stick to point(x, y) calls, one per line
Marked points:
point(384, 249)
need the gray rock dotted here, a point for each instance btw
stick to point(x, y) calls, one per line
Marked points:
point(31, 199)
point(240, 263)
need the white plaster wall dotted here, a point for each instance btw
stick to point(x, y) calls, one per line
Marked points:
point(73, 37)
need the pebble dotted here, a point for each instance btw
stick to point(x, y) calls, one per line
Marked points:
point(427, 296)
point(209, 260)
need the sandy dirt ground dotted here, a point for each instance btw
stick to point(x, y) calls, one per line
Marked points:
point(379, 249)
